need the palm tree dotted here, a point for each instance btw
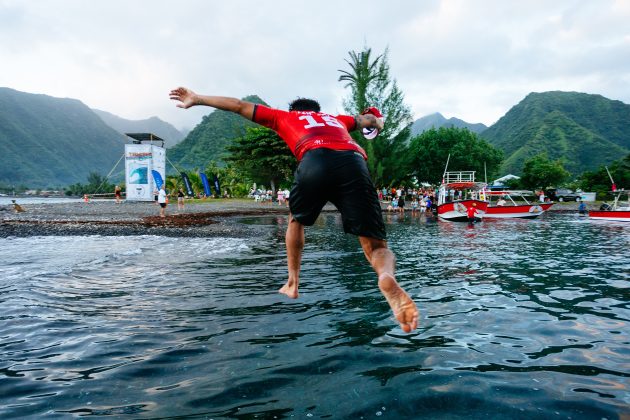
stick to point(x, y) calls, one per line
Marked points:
point(371, 85)
point(173, 184)
point(360, 78)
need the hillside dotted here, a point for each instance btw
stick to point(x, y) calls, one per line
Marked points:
point(584, 130)
point(52, 142)
point(437, 120)
point(208, 140)
point(154, 125)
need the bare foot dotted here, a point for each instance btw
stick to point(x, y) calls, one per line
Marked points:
point(404, 308)
point(290, 289)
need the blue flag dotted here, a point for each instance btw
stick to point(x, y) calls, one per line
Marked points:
point(206, 184)
point(157, 178)
point(217, 186)
point(189, 190)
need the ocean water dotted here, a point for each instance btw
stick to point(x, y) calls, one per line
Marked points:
point(519, 319)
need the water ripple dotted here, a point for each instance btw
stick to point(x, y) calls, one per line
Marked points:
point(529, 319)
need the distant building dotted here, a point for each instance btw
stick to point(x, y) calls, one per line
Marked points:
point(499, 183)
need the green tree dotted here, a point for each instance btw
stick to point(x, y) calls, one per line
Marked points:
point(598, 181)
point(195, 181)
point(262, 156)
point(232, 181)
point(370, 84)
point(173, 183)
point(540, 172)
point(429, 151)
point(97, 184)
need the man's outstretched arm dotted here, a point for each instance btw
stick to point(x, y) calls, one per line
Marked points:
point(188, 98)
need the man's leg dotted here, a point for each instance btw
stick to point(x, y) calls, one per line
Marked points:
point(295, 244)
point(384, 263)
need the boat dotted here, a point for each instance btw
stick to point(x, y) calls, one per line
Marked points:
point(512, 209)
point(463, 183)
point(617, 211)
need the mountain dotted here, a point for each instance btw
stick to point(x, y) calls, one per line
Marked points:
point(154, 125)
point(208, 140)
point(52, 142)
point(583, 130)
point(437, 120)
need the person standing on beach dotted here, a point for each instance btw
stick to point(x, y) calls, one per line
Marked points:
point(162, 201)
point(117, 194)
point(180, 199)
point(332, 167)
point(287, 195)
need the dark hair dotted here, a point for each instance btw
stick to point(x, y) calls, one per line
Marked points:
point(304, 104)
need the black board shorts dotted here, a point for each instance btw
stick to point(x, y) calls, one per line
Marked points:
point(341, 177)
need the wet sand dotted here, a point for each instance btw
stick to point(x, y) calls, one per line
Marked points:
point(211, 218)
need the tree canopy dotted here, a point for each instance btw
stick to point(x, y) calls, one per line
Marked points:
point(262, 156)
point(430, 150)
point(97, 184)
point(370, 84)
point(540, 172)
point(599, 180)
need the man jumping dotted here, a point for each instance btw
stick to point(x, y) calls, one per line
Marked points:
point(332, 167)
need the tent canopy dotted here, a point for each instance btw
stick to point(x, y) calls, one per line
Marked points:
point(138, 138)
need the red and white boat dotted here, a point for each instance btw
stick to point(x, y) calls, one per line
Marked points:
point(618, 211)
point(460, 184)
point(506, 207)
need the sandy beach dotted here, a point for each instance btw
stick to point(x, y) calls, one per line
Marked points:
point(212, 218)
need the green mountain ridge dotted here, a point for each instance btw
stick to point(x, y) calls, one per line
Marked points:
point(208, 140)
point(53, 142)
point(50, 142)
point(583, 130)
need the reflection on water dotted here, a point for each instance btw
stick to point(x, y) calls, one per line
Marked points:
point(519, 319)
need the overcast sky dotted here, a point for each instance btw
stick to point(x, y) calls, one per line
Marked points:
point(468, 59)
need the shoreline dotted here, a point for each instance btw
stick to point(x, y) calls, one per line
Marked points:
point(104, 217)
point(215, 218)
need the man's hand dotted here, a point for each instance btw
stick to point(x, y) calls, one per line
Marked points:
point(369, 121)
point(186, 97)
point(371, 118)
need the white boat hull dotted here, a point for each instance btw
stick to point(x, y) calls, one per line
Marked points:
point(528, 211)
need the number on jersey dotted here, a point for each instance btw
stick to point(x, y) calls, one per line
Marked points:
point(312, 120)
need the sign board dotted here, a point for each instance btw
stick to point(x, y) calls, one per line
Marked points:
point(140, 160)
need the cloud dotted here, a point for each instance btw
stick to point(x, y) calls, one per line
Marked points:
point(472, 60)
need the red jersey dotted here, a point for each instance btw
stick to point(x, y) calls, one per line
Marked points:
point(306, 130)
point(471, 212)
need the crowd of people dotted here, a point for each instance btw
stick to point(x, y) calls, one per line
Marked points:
point(267, 196)
point(421, 200)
